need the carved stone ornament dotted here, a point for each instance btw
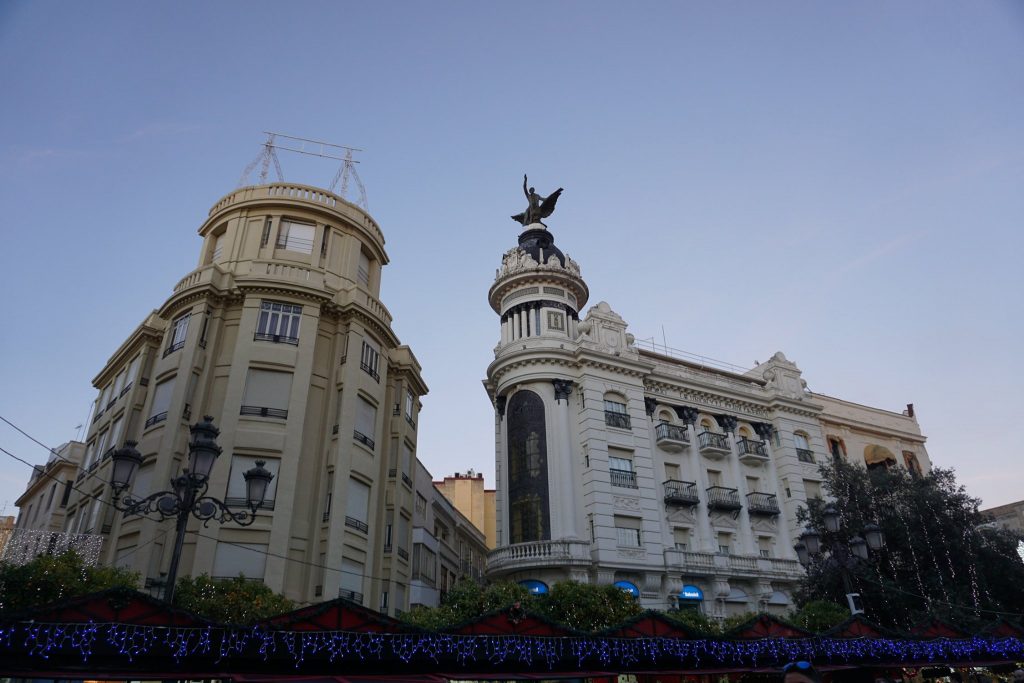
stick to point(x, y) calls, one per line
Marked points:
point(650, 404)
point(764, 523)
point(687, 414)
point(764, 430)
point(563, 387)
point(727, 422)
point(626, 503)
point(631, 554)
point(682, 514)
point(724, 518)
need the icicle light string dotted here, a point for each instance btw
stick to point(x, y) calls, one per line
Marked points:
point(130, 642)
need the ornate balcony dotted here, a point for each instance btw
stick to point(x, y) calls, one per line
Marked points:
point(805, 455)
point(723, 498)
point(617, 420)
point(672, 438)
point(681, 493)
point(713, 445)
point(764, 504)
point(538, 554)
point(690, 562)
point(752, 452)
point(623, 478)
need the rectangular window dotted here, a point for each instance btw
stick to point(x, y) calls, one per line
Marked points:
point(369, 361)
point(68, 484)
point(753, 485)
point(233, 559)
point(812, 489)
point(409, 402)
point(142, 484)
point(267, 393)
point(357, 505)
point(352, 580)
point(388, 535)
point(102, 443)
point(421, 505)
point(615, 414)
point(237, 493)
point(278, 323)
point(363, 272)
point(133, 372)
point(620, 468)
point(294, 236)
point(424, 562)
point(323, 244)
point(179, 330)
point(724, 543)
point(672, 472)
point(714, 478)
point(681, 538)
point(403, 537)
point(407, 461)
point(104, 399)
point(383, 601)
point(119, 384)
point(218, 247)
point(764, 546)
point(265, 238)
point(366, 421)
point(627, 531)
point(115, 433)
point(90, 455)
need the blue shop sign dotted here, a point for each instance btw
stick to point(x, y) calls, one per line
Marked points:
point(691, 593)
point(628, 587)
point(535, 587)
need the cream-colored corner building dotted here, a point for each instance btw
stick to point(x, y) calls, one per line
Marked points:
point(279, 334)
point(41, 507)
point(675, 479)
point(466, 491)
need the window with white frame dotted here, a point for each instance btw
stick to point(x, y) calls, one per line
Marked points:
point(267, 393)
point(620, 468)
point(278, 322)
point(409, 402)
point(366, 420)
point(237, 494)
point(233, 559)
point(293, 236)
point(681, 538)
point(357, 505)
point(369, 360)
point(615, 414)
point(765, 545)
point(627, 531)
point(179, 330)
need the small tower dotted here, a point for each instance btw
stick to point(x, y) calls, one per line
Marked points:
point(537, 292)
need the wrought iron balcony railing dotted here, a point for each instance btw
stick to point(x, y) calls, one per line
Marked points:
point(363, 439)
point(624, 478)
point(357, 524)
point(262, 411)
point(619, 420)
point(723, 498)
point(712, 441)
point(681, 492)
point(763, 504)
point(749, 447)
point(276, 338)
point(805, 455)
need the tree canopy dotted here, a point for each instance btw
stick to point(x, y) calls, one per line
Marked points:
point(940, 558)
point(50, 578)
point(229, 601)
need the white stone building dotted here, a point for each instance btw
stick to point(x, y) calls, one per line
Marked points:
point(676, 480)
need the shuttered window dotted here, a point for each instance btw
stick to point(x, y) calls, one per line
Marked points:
point(357, 505)
point(248, 559)
point(366, 419)
point(238, 494)
point(161, 401)
point(267, 393)
point(296, 237)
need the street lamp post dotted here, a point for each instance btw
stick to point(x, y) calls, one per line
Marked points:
point(843, 555)
point(187, 495)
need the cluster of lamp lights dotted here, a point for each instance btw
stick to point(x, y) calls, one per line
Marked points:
point(259, 645)
point(844, 555)
point(187, 496)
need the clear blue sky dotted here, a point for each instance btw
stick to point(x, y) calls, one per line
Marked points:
point(840, 181)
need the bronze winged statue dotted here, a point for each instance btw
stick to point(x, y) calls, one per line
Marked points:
point(538, 207)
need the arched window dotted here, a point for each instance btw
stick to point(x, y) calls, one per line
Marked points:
point(529, 516)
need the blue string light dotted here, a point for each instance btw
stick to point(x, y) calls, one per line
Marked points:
point(130, 642)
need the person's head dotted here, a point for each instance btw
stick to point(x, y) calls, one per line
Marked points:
point(800, 672)
point(1018, 676)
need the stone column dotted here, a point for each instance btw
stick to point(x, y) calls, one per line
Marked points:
point(746, 536)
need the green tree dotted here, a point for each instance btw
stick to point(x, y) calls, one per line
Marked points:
point(587, 607)
point(939, 558)
point(50, 578)
point(466, 601)
point(229, 601)
point(694, 620)
point(819, 615)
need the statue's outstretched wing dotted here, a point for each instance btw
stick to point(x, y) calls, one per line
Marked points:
point(547, 207)
point(520, 218)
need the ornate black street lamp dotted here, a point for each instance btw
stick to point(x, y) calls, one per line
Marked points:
point(844, 556)
point(187, 496)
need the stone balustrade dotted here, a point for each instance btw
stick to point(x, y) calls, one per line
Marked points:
point(538, 554)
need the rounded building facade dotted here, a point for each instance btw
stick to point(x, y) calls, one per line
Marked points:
point(278, 334)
